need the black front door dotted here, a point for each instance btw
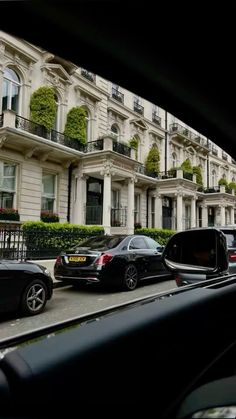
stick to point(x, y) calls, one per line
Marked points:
point(94, 201)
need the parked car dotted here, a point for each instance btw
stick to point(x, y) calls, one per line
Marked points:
point(200, 254)
point(122, 260)
point(24, 287)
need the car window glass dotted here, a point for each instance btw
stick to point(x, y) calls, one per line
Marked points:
point(137, 243)
point(230, 238)
point(152, 244)
point(100, 243)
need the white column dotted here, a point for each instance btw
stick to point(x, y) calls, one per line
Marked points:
point(222, 215)
point(179, 214)
point(193, 212)
point(80, 201)
point(158, 211)
point(231, 215)
point(106, 219)
point(204, 216)
point(130, 209)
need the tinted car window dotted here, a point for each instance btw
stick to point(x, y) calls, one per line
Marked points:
point(230, 238)
point(137, 243)
point(100, 242)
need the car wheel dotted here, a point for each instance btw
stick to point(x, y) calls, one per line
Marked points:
point(34, 298)
point(130, 280)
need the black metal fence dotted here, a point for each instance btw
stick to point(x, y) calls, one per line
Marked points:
point(22, 245)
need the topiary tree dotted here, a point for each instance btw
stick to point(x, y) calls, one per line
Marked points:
point(198, 172)
point(133, 143)
point(223, 182)
point(76, 124)
point(232, 185)
point(186, 166)
point(43, 107)
point(152, 163)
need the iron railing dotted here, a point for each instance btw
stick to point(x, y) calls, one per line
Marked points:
point(117, 95)
point(20, 244)
point(138, 108)
point(186, 132)
point(88, 75)
point(94, 214)
point(1, 120)
point(93, 146)
point(121, 148)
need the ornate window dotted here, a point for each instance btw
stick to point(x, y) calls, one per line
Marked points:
point(48, 192)
point(7, 185)
point(11, 90)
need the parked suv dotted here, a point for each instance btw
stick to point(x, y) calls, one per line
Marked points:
point(230, 235)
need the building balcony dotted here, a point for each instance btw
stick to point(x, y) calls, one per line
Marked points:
point(88, 75)
point(138, 108)
point(224, 156)
point(216, 190)
point(156, 119)
point(118, 96)
point(185, 134)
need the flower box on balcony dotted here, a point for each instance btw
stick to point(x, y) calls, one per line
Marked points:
point(49, 217)
point(9, 214)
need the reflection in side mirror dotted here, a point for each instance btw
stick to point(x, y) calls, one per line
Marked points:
point(197, 250)
point(216, 412)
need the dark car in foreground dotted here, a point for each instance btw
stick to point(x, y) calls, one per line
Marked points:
point(185, 278)
point(24, 287)
point(121, 260)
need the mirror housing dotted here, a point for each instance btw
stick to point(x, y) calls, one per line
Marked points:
point(202, 250)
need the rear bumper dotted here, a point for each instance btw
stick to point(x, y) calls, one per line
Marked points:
point(87, 279)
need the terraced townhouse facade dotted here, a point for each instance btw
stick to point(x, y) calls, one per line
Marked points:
point(104, 182)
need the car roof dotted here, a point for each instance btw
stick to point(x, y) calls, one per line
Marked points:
point(182, 60)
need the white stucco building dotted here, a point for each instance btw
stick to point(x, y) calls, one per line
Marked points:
point(105, 183)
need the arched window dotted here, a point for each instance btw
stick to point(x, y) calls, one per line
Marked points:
point(115, 131)
point(174, 160)
point(11, 90)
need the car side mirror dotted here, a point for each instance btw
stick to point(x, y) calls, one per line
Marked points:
point(196, 251)
point(216, 399)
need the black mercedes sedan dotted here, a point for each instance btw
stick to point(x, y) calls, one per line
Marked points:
point(116, 260)
point(24, 287)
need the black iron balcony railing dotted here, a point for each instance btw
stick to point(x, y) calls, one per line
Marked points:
point(183, 131)
point(156, 118)
point(121, 148)
point(117, 95)
point(93, 146)
point(88, 75)
point(118, 217)
point(51, 135)
point(212, 189)
point(138, 108)
point(1, 120)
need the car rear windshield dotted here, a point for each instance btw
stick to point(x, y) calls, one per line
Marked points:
point(230, 237)
point(98, 243)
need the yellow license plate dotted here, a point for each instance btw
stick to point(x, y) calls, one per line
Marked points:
point(77, 258)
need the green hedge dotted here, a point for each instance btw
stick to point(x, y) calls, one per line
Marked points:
point(45, 240)
point(160, 235)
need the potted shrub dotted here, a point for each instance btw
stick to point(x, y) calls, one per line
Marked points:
point(49, 217)
point(75, 128)
point(43, 107)
point(9, 214)
point(152, 163)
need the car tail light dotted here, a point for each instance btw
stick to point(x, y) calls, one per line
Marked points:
point(104, 259)
point(232, 257)
point(58, 260)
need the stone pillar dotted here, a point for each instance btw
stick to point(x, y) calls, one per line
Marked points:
point(231, 215)
point(80, 200)
point(204, 216)
point(222, 215)
point(193, 212)
point(179, 214)
point(130, 208)
point(158, 211)
point(9, 118)
point(106, 216)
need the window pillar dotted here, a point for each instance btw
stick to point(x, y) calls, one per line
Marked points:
point(107, 202)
